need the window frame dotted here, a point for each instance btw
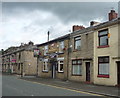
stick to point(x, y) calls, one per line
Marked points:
point(45, 63)
point(103, 35)
point(75, 40)
point(61, 47)
point(59, 66)
point(77, 64)
point(103, 62)
point(45, 50)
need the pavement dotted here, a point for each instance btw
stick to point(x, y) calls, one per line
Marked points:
point(108, 91)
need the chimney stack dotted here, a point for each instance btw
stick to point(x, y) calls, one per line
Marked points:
point(76, 27)
point(112, 15)
point(94, 23)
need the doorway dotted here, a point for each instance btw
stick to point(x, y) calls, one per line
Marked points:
point(88, 71)
point(118, 73)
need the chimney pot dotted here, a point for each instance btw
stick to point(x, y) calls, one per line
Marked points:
point(112, 15)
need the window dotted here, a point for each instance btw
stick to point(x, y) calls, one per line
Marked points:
point(61, 46)
point(76, 67)
point(45, 50)
point(103, 37)
point(77, 43)
point(103, 65)
point(60, 66)
point(45, 66)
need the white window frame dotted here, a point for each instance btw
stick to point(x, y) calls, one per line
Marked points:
point(61, 46)
point(59, 64)
point(46, 66)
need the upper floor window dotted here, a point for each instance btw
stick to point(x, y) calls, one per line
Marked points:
point(103, 37)
point(77, 43)
point(61, 46)
point(45, 49)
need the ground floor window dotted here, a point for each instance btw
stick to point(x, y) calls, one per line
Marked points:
point(60, 66)
point(76, 67)
point(103, 65)
point(45, 66)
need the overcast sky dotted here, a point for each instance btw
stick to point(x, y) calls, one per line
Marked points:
point(24, 22)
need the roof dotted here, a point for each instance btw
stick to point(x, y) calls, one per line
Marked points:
point(54, 40)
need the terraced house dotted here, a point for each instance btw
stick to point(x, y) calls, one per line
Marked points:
point(81, 54)
point(94, 55)
point(86, 55)
point(20, 60)
point(53, 61)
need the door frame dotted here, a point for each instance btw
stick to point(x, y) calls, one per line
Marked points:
point(88, 75)
point(118, 73)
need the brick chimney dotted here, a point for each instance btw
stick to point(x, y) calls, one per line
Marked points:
point(76, 27)
point(94, 23)
point(112, 15)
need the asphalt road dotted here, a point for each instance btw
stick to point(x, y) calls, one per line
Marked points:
point(12, 86)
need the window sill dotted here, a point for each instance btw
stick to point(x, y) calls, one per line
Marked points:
point(45, 71)
point(76, 50)
point(76, 75)
point(105, 46)
point(60, 71)
point(103, 76)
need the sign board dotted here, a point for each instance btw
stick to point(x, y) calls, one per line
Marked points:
point(36, 52)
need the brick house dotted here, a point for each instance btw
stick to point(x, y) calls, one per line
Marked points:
point(94, 55)
point(53, 61)
point(20, 60)
point(106, 51)
point(81, 54)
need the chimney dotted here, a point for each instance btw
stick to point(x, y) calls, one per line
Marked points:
point(112, 15)
point(76, 27)
point(94, 23)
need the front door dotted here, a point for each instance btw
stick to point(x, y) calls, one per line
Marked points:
point(88, 71)
point(118, 72)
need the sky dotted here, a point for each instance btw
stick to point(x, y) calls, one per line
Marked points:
point(30, 21)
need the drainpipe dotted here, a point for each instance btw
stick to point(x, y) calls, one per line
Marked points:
point(68, 54)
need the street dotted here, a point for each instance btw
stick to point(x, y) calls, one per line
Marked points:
point(12, 86)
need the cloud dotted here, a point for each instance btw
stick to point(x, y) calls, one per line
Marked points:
point(23, 22)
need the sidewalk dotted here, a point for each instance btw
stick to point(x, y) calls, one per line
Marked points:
point(96, 89)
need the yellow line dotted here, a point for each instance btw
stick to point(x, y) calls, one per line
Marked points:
point(64, 88)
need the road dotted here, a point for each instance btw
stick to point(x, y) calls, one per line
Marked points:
point(13, 86)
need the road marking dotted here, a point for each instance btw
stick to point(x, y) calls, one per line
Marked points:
point(64, 88)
